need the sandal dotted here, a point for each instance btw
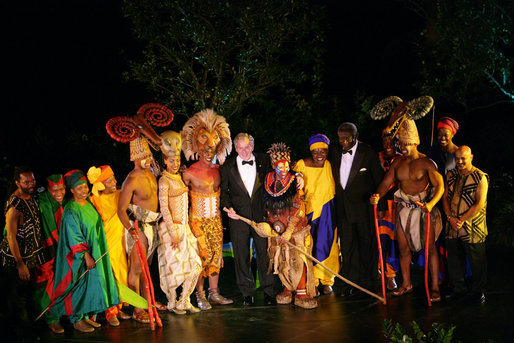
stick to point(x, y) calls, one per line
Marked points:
point(160, 307)
point(141, 317)
point(403, 290)
point(435, 296)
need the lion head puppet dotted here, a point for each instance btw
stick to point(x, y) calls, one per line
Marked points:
point(207, 132)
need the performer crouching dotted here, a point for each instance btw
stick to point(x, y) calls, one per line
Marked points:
point(285, 211)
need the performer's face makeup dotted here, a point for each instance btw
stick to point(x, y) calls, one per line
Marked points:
point(80, 193)
point(281, 168)
point(57, 192)
point(146, 163)
point(110, 185)
point(27, 183)
point(405, 148)
point(319, 156)
point(207, 142)
point(172, 164)
point(244, 148)
point(444, 136)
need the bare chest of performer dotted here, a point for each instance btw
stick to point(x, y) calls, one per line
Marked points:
point(412, 174)
point(145, 189)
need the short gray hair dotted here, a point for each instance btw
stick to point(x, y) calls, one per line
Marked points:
point(244, 135)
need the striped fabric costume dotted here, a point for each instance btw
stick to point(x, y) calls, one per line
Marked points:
point(319, 192)
point(461, 195)
point(51, 213)
point(82, 230)
point(386, 227)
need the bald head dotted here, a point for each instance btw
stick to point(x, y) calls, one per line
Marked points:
point(463, 150)
point(464, 159)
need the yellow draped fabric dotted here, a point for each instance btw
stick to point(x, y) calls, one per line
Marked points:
point(107, 206)
point(320, 191)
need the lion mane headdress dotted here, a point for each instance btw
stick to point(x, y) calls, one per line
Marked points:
point(206, 119)
point(401, 124)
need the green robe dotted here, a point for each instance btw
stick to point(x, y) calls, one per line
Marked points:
point(82, 230)
point(51, 213)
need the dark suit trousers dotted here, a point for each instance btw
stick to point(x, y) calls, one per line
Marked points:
point(240, 234)
point(476, 254)
point(359, 252)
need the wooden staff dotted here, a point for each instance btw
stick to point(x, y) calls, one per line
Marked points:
point(152, 310)
point(380, 257)
point(274, 234)
point(427, 238)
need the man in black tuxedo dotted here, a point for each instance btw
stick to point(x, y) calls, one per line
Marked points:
point(357, 172)
point(242, 178)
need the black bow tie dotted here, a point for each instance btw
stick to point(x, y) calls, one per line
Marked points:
point(347, 151)
point(248, 162)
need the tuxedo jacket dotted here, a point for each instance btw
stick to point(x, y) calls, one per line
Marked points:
point(234, 193)
point(366, 173)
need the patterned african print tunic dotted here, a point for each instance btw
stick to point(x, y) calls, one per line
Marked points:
point(82, 230)
point(205, 222)
point(461, 196)
point(28, 235)
point(180, 266)
point(319, 194)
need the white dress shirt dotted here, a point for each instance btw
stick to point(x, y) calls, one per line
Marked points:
point(248, 173)
point(346, 165)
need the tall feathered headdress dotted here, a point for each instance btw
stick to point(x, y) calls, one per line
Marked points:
point(401, 124)
point(206, 119)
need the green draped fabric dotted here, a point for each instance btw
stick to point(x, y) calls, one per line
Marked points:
point(51, 213)
point(82, 230)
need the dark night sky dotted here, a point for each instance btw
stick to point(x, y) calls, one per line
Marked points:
point(63, 59)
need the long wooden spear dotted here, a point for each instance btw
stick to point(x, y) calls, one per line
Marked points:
point(80, 277)
point(261, 227)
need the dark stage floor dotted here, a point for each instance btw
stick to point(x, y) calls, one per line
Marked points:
point(337, 319)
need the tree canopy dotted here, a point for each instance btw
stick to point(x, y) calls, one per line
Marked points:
point(225, 54)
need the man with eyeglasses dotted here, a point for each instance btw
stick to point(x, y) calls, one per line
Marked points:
point(357, 172)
